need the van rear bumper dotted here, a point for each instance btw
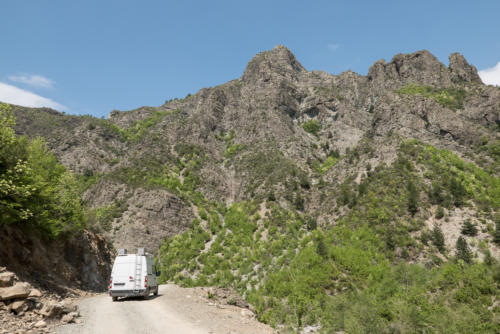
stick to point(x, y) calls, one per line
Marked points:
point(127, 293)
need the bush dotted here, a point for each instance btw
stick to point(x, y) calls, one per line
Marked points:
point(313, 127)
point(439, 212)
point(311, 223)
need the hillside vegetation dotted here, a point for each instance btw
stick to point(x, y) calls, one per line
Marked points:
point(362, 204)
point(360, 274)
point(36, 191)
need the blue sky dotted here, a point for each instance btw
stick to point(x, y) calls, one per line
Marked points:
point(90, 57)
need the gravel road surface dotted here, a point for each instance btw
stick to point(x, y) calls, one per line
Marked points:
point(175, 310)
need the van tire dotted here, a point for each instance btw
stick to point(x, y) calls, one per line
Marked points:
point(114, 299)
point(156, 291)
point(146, 295)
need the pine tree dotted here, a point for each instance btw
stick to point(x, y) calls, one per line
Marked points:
point(439, 212)
point(496, 236)
point(412, 198)
point(463, 251)
point(321, 249)
point(469, 229)
point(458, 192)
point(438, 239)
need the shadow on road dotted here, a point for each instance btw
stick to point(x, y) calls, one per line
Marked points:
point(123, 299)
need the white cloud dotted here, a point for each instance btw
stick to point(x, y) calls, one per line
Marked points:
point(491, 76)
point(333, 47)
point(32, 80)
point(15, 95)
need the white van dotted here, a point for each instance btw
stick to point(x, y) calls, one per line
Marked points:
point(133, 275)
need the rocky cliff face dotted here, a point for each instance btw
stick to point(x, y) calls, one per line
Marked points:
point(147, 172)
point(82, 261)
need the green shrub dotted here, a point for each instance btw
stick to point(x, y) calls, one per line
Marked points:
point(439, 212)
point(313, 127)
point(324, 167)
point(451, 98)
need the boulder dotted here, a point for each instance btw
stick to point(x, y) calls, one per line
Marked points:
point(41, 324)
point(35, 293)
point(17, 291)
point(68, 307)
point(52, 310)
point(70, 317)
point(6, 279)
point(18, 306)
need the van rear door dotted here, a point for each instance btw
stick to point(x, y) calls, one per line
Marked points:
point(123, 272)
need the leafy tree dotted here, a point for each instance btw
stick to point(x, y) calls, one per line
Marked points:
point(463, 251)
point(35, 190)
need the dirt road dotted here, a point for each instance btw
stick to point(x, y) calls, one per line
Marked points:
point(175, 310)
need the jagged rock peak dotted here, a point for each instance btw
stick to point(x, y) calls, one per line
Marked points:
point(420, 67)
point(280, 60)
point(461, 70)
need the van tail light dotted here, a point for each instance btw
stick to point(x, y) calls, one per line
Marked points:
point(110, 282)
point(145, 281)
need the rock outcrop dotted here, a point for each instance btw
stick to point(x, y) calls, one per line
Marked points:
point(462, 71)
point(82, 261)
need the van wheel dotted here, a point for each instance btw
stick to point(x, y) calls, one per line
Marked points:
point(146, 296)
point(156, 291)
point(114, 298)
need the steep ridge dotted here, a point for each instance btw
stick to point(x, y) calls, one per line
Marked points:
point(283, 172)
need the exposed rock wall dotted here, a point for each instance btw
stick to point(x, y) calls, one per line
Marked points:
point(82, 261)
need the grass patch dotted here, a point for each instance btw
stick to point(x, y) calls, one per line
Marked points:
point(325, 166)
point(451, 98)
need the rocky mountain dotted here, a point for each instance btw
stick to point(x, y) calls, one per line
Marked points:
point(247, 134)
point(395, 166)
